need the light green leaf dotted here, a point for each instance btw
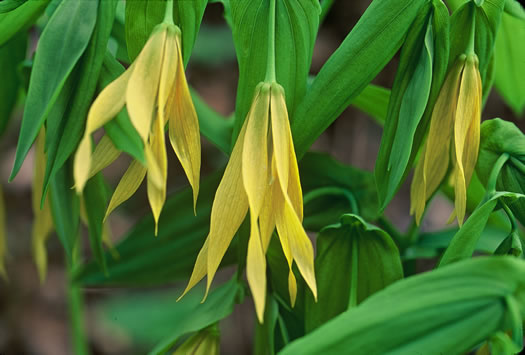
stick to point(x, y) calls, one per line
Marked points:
point(20, 18)
point(373, 100)
point(354, 258)
point(61, 45)
point(420, 314)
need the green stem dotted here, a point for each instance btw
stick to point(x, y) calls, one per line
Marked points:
point(326, 5)
point(270, 65)
point(510, 215)
point(168, 14)
point(75, 300)
point(493, 178)
point(472, 40)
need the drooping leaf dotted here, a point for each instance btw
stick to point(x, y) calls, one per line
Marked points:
point(354, 258)
point(296, 23)
point(61, 45)
point(365, 51)
point(12, 54)
point(420, 314)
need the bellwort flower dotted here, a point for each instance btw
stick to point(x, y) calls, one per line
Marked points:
point(155, 92)
point(261, 176)
point(453, 136)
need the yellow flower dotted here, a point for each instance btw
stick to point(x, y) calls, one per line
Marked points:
point(155, 91)
point(454, 134)
point(262, 176)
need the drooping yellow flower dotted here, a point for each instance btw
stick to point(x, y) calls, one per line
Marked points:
point(454, 134)
point(262, 176)
point(155, 91)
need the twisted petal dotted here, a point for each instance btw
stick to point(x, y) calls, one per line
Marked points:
point(104, 154)
point(127, 186)
point(141, 93)
point(255, 181)
point(227, 213)
point(434, 161)
point(466, 134)
point(106, 106)
point(184, 128)
point(288, 221)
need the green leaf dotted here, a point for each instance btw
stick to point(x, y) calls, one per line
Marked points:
point(10, 5)
point(296, 24)
point(96, 198)
point(264, 343)
point(319, 170)
point(65, 208)
point(324, 205)
point(508, 55)
point(149, 260)
point(143, 16)
point(61, 45)
point(501, 137)
point(366, 50)
point(416, 87)
point(420, 314)
point(72, 122)
point(194, 315)
point(149, 317)
point(373, 100)
point(354, 258)
point(120, 130)
point(464, 242)
point(20, 18)
point(12, 54)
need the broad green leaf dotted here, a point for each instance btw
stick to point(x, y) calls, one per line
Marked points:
point(366, 50)
point(501, 137)
point(515, 9)
point(324, 206)
point(143, 16)
point(465, 240)
point(73, 121)
point(96, 198)
point(373, 100)
point(65, 208)
point(318, 170)
point(194, 315)
point(354, 260)
point(20, 18)
point(508, 56)
point(149, 260)
point(120, 130)
point(61, 45)
point(10, 5)
point(12, 54)
point(149, 317)
point(420, 314)
point(296, 24)
point(416, 87)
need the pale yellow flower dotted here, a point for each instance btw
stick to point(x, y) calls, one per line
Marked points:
point(453, 135)
point(262, 176)
point(155, 91)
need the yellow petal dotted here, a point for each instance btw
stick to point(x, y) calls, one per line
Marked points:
point(292, 288)
point(106, 106)
point(466, 126)
point(199, 269)
point(104, 154)
point(256, 270)
point(184, 128)
point(434, 161)
point(142, 89)
point(127, 186)
point(168, 70)
point(156, 189)
point(267, 216)
point(228, 210)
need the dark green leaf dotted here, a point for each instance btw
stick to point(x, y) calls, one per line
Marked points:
point(61, 45)
point(65, 208)
point(296, 24)
point(354, 260)
point(10, 5)
point(143, 16)
point(420, 314)
point(12, 54)
point(366, 50)
point(20, 18)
